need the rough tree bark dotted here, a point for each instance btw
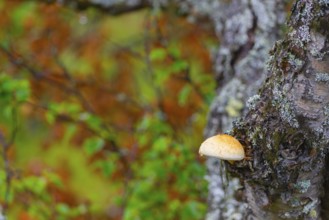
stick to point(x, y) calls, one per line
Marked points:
point(246, 30)
point(286, 130)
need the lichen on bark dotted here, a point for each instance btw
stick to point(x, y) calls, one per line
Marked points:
point(286, 132)
point(247, 30)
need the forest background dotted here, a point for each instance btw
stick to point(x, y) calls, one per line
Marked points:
point(101, 116)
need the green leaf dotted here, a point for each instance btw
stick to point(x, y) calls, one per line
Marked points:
point(179, 65)
point(34, 184)
point(8, 111)
point(161, 144)
point(184, 95)
point(50, 117)
point(192, 209)
point(22, 95)
point(76, 64)
point(63, 208)
point(69, 133)
point(147, 94)
point(93, 145)
point(145, 123)
point(107, 166)
point(174, 51)
point(174, 205)
point(93, 121)
point(143, 139)
point(54, 178)
point(158, 54)
point(161, 75)
point(20, 14)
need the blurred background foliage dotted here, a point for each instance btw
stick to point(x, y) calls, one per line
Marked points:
point(101, 117)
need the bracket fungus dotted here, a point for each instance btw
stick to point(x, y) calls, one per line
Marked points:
point(222, 146)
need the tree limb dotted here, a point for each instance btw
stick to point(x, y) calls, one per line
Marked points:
point(112, 7)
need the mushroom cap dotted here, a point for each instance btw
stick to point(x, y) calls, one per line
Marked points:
point(222, 146)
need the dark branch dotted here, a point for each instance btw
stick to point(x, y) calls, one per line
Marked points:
point(110, 7)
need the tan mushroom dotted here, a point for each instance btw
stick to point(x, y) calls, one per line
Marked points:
point(222, 146)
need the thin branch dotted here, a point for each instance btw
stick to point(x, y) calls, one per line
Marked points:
point(21, 63)
point(109, 7)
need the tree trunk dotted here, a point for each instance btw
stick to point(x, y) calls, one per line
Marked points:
point(286, 130)
point(247, 30)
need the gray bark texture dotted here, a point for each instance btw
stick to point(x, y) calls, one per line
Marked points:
point(247, 30)
point(286, 130)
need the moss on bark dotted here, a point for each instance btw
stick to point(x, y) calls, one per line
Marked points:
point(286, 132)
